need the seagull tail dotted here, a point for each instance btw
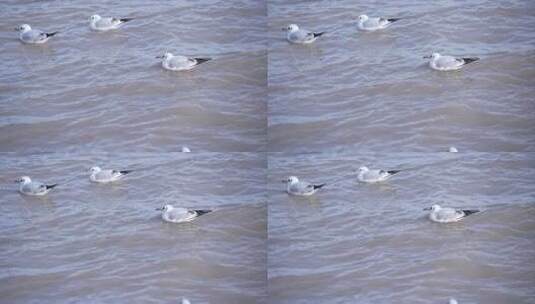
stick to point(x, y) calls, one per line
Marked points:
point(124, 172)
point(202, 60)
point(51, 186)
point(470, 59)
point(318, 186)
point(126, 19)
point(51, 34)
point(393, 19)
point(392, 172)
point(318, 34)
point(201, 212)
point(469, 212)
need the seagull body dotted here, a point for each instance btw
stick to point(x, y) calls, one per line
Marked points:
point(103, 24)
point(448, 63)
point(106, 176)
point(180, 63)
point(296, 187)
point(27, 35)
point(371, 24)
point(33, 188)
point(366, 175)
point(453, 149)
point(185, 149)
point(180, 215)
point(448, 215)
point(296, 35)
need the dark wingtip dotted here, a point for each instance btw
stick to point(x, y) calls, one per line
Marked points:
point(318, 34)
point(51, 186)
point(51, 34)
point(201, 212)
point(202, 60)
point(469, 212)
point(393, 19)
point(470, 60)
point(318, 186)
point(392, 172)
point(126, 19)
point(125, 171)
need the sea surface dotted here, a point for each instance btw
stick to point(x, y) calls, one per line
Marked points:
point(373, 243)
point(362, 91)
point(96, 243)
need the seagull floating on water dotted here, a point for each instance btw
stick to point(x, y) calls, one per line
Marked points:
point(448, 215)
point(27, 35)
point(296, 35)
point(99, 175)
point(448, 63)
point(186, 301)
point(33, 188)
point(103, 24)
point(180, 215)
point(296, 187)
point(371, 24)
point(453, 301)
point(453, 149)
point(185, 149)
point(180, 63)
point(366, 175)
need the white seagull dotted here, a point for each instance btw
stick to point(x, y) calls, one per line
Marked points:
point(106, 176)
point(180, 215)
point(295, 187)
point(453, 301)
point(296, 35)
point(185, 149)
point(29, 187)
point(452, 149)
point(366, 175)
point(371, 24)
point(448, 215)
point(27, 35)
point(185, 301)
point(103, 24)
point(180, 63)
point(448, 63)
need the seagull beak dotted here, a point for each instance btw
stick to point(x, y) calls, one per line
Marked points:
point(16, 29)
point(427, 57)
point(159, 209)
point(159, 57)
point(427, 209)
point(284, 181)
point(284, 29)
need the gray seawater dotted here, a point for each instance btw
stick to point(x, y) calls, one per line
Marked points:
point(372, 243)
point(92, 243)
point(261, 110)
point(374, 92)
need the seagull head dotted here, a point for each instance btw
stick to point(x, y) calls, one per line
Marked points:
point(94, 170)
point(23, 28)
point(165, 56)
point(363, 18)
point(23, 180)
point(94, 18)
point(363, 169)
point(291, 28)
point(291, 180)
point(433, 208)
point(433, 56)
point(165, 208)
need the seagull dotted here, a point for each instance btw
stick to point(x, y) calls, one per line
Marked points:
point(180, 63)
point(27, 35)
point(448, 215)
point(103, 24)
point(29, 187)
point(371, 24)
point(366, 175)
point(295, 187)
point(180, 215)
point(295, 35)
point(106, 176)
point(453, 149)
point(448, 63)
point(186, 301)
point(452, 301)
point(185, 149)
